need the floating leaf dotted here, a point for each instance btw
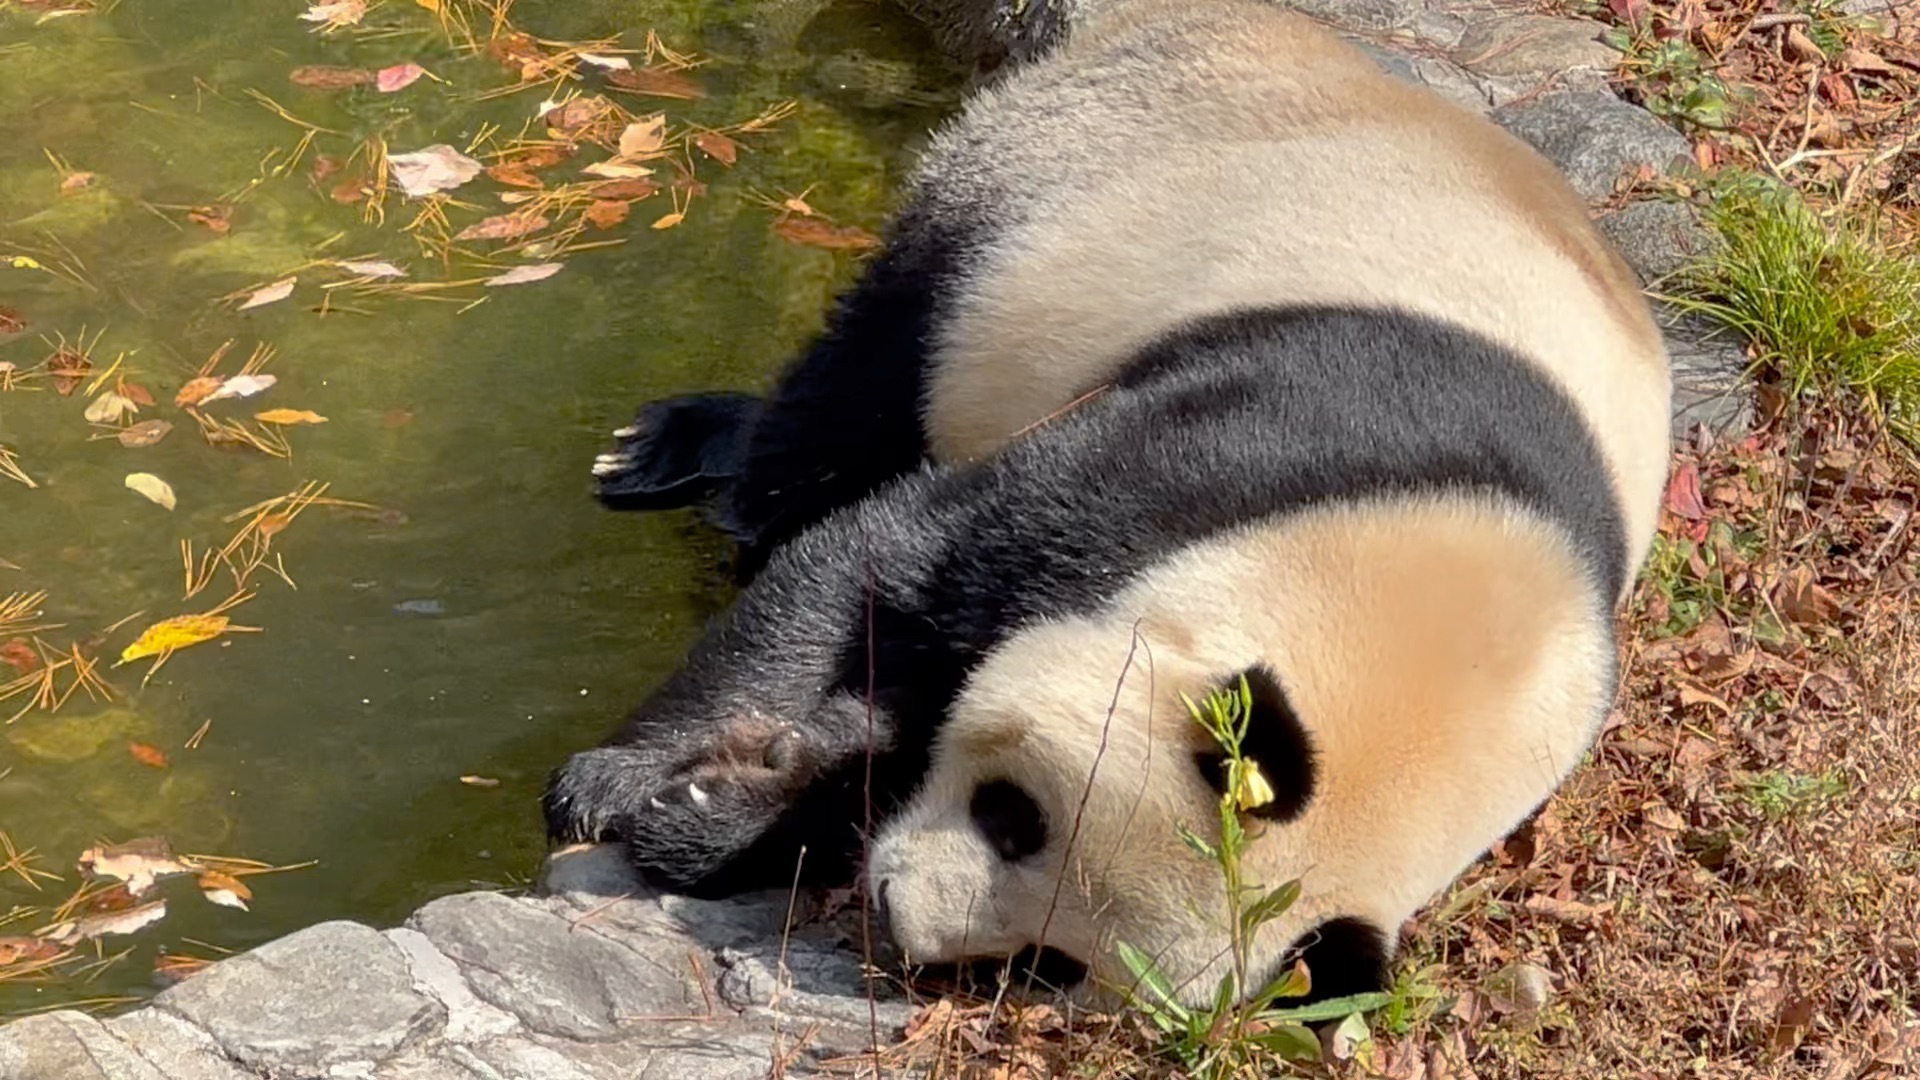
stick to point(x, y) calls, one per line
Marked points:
point(336, 13)
point(371, 269)
point(289, 416)
point(326, 77)
point(516, 173)
point(10, 321)
point(218, 219)
point(240, 386)
point(144, 434)
point(224, 889)
point(503, 227)
point(718, 147)
point(271, 294)
point(611, 63)
point(197, 390)
point(398, 77)
point(657, 82)
point(816, 233)
point(437, 168)
point(151, 756)
point(521, 275)
point(128, 921)
point(152, 487)
point(629, 190)
point(137, 394)
point(616, 169)
point(171, 635)
point(109, 408)
point(644, 136)
point(139, 863)
point(606, 213)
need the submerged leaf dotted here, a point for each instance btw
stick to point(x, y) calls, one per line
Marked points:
point(521, 275)
point(816, 233)
point(657, 82)
point(149, 755)
point(152, 487)
point(289, 416)
point(717, 146)
point(503, 227)
point(398, 77)
point(371, 269)
point(327, 77)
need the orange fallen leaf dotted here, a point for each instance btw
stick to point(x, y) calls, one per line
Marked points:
point(503, 227)
point(216, 218)
point(656, 82)
point(717, 146)
point(224, 889)
point(77, 181)
point(136, 393)
point(629, 190)
point(516, 173)
point(668, 221)
point(606, 213)
point(20, 655)
point(816, 233)
point(151, 756)
point(197, 390)
point(289, 416)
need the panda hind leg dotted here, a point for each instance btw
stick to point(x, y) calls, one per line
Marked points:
point(677, 452)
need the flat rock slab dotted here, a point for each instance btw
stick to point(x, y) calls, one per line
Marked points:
point(600, 979)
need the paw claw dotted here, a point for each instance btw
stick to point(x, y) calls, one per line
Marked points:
point(654, 801)
point(698, 795)
point(608, 464)
point(627, 432)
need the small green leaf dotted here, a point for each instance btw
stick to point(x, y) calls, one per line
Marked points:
point(1297, 981)
point(1330, 1009)
point(1149, 975)
point(1200, 847)
point(1292, 1042)
point(1270, 906)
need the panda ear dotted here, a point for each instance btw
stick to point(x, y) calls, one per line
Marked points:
point(1276, 745)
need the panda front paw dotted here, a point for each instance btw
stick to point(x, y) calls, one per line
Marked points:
point(685, 823)
point(676, 452)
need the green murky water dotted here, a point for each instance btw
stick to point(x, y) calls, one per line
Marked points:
point(494, 619)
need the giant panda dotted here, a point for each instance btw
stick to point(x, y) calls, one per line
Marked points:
point(1201, 351)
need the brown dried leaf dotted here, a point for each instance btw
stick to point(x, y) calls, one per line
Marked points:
point(627, 190)
point(138, 863)
point(718, 147)
point(1805, 601)
point(607, 213)
point(326, 77)
point(503, 227)
point(656, 82)
point(814, 232)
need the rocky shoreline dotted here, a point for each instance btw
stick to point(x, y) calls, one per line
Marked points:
point(595, 979)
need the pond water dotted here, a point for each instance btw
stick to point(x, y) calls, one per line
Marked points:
point(486, 617)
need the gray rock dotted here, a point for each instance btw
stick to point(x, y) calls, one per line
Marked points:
point(420, 1065)
point(1594, 137)
point(337, 994)
point(468, 1018)
point(1533, 47)
point(1440, 28)
point(559, 978)
point(176, 1048)
point(1710, 385)
point(731, 1051)
point(1374, 15)
point(1656, 236)
point(68, 1045)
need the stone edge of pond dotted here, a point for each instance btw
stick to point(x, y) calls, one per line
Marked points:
point(579, 983)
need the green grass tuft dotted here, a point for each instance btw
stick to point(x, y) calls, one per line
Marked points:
point(1831, 310)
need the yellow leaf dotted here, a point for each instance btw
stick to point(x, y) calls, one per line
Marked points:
point(289, 416)
point(430, 5)
point(669, 221)
point(152, 487)
point(23, 262)
point(176, 633)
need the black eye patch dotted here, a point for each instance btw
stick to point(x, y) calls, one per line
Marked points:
point(1276, 742)
point(1009, 819)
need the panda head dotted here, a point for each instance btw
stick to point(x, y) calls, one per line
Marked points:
point(1050, 818)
